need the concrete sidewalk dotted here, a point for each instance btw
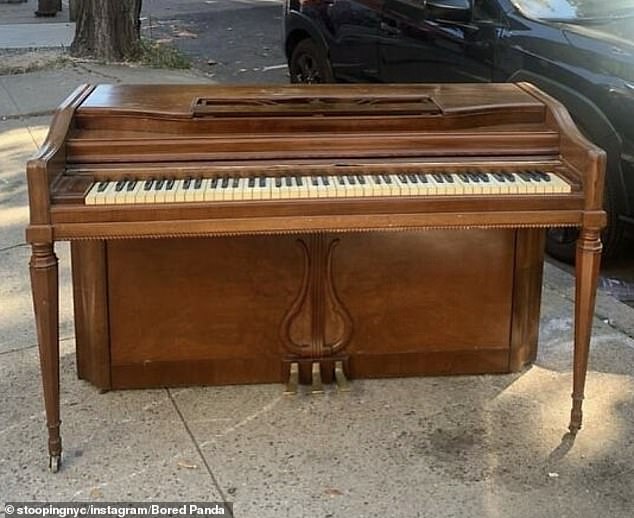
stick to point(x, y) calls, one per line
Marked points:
point(486, 446)
point(29, 36)
point(21, 29)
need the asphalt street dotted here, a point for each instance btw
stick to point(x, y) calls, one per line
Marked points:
point(231, 41)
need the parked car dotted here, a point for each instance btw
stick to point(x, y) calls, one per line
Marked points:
point(579, 51)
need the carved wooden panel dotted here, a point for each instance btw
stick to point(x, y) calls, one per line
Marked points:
point(317, 324)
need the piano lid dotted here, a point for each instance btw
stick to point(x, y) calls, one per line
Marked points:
point(126, 123)
point(366, 100)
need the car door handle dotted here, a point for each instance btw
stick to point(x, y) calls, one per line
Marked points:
point(388, 28)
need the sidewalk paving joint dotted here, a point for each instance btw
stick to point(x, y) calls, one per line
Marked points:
point(196, 446)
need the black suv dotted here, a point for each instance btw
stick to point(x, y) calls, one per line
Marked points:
point(579, 51)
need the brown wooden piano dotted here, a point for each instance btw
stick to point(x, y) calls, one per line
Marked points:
point(306, 234)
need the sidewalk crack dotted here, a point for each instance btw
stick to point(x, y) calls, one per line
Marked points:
point(32, 346)
point(197, 447)
point(12, 247)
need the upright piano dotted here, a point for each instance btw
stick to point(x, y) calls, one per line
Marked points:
point(306, 234)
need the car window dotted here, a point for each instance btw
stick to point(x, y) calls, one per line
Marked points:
point(574, 9)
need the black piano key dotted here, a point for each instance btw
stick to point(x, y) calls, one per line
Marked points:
point(158, 185)
point(484, 177)
point(187, 184)
point(224, 183)
point(325, 180)
point(314, 181)
point(524, 176)
point(351, 179)
point(464, 177)
point(130, 185)
point(448, 178)
point(235, 182)
point(544, 176)
point(251, 182)
point(262, 181)
point(147, 185)
point(412, 178)
point(538, 176)
point(169, 185)
point(361, 179)
point(278, 181)
point(403, 178)
point(341, 180)
point(288, 181)
point(532, 177)
point(215, 182)
point(120, 185)
point(438, 177)
point(510, 177)
point(422, 178)
point(102, 186)
point(387, 179)
point(377, 179)
point(299, 180)
point(198, 183)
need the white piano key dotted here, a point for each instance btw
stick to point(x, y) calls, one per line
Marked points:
point(286, 188)
point(145, 195)
point(110, 194)
point(441, 186)
point(322, 188)
point(559, 184)
point(249, 186)
point(179, 192)
point(403, 184)
point(170, 191)
point(526, 186)
point(224, 189)
point(159, 192)
point(492, 186)
point(301, 187)
point(258, 190)
point(93, 194)
point(238, 192)
point(131, 195)
point(452, 187)
point(192, 194)
point(268, 188)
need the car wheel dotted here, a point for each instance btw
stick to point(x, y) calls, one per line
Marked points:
point(561, 242)
point(308, 64)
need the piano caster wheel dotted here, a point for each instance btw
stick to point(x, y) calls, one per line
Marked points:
point(54, 463)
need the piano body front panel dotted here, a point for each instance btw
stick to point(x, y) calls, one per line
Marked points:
point(211, 311)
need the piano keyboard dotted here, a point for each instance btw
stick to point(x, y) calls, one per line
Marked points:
point(235, 188)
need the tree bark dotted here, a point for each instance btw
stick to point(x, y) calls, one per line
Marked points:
point(108, 30)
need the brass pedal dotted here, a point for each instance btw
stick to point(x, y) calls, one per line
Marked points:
point(318, 387)
point(293, 380)
point(340, 377)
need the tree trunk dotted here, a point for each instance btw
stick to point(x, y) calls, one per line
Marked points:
point(107, 29)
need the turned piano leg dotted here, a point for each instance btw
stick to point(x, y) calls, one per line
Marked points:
point(44, 281)
point(587, 275)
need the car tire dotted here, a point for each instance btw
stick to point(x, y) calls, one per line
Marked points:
point(561, 243)
point(309, 64)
